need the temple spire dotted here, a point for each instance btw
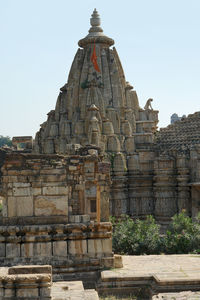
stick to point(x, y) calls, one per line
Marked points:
point(95, 32)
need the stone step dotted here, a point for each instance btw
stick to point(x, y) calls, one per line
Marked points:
point(152, 275)
point(72, 290)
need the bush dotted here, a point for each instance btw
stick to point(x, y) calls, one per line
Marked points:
point(183, 235)
point(136, 237)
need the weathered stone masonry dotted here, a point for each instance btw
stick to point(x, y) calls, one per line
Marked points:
point(48, 204)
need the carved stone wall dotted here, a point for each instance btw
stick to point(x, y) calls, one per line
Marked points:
point(76, 247)
point(40, 188)
point(50, 210)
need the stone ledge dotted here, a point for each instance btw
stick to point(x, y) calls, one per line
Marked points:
point(30, 269)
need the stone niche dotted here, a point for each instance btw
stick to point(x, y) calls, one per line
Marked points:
point(50, 211)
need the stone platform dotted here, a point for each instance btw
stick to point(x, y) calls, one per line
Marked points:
point(152, 275)
point(35, 283)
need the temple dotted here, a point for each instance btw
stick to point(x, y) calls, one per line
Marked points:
point(97, 106)
point(98, 154)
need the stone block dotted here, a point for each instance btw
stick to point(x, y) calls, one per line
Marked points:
point(1, 292)
point(79, 187)
point(2, 249)
point(72, 168)
point(27, 292)
point(108, 262)
point(25, 206)
point(45, 292)
point(77, 247)
point(55, 190)
point(74, 161)
point(21, 184)
point(90, 191)
point(12, 207)
point(22, 191)
point(9, 292)
point(75, 218)
point(30, 269)
point(9, 179)
point(20, 206)
point(60, 248)
point(42, 249)
point(51, 178)
point(54, 171)
point(51, 205)
point(27, 250)
point(99, 246)
point(5, 207)
point(89, 167)
point(93, 152)
point(118, 263)
point(85, 218)
point(36, 191)
point(12, 250)
point(95, 247)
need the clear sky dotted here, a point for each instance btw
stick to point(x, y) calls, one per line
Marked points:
point(158, 42)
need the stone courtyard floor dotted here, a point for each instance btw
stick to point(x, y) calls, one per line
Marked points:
point(162, 266)
point(165, 276)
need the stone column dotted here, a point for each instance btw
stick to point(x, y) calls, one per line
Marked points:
point(119, 195)
point(165, 189)
point(183, 188)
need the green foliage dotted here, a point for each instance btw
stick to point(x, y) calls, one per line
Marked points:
point(135, 237)
point(5, 140)
point(183, 235)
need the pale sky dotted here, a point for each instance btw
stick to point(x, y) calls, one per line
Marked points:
point(158, 42)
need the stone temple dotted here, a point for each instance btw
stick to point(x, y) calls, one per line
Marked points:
point(151, 171)
point(98, 154)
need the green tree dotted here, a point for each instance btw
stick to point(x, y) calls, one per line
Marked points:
point(136, 237)
point(5, 140)
point(183, 235)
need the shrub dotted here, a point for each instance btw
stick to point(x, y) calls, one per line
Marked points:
point(183, 235)
point(143, 237)
point(136, 237)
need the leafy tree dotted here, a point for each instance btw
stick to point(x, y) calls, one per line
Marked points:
point(136, 237)
point(183, 235)
point(5, 140)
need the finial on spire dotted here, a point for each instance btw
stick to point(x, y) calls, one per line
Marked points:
point(96, 32)
point(95, 20)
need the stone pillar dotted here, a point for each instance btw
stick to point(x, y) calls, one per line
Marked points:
point(165, 188)
point(140, 183)
point(119, 195)
point(183, 188)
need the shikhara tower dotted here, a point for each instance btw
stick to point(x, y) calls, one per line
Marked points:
point(94, 107)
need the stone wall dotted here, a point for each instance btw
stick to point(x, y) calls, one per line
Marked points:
point(26, 283)
point(52, 188)
point(50, 210)
point(68, 248)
